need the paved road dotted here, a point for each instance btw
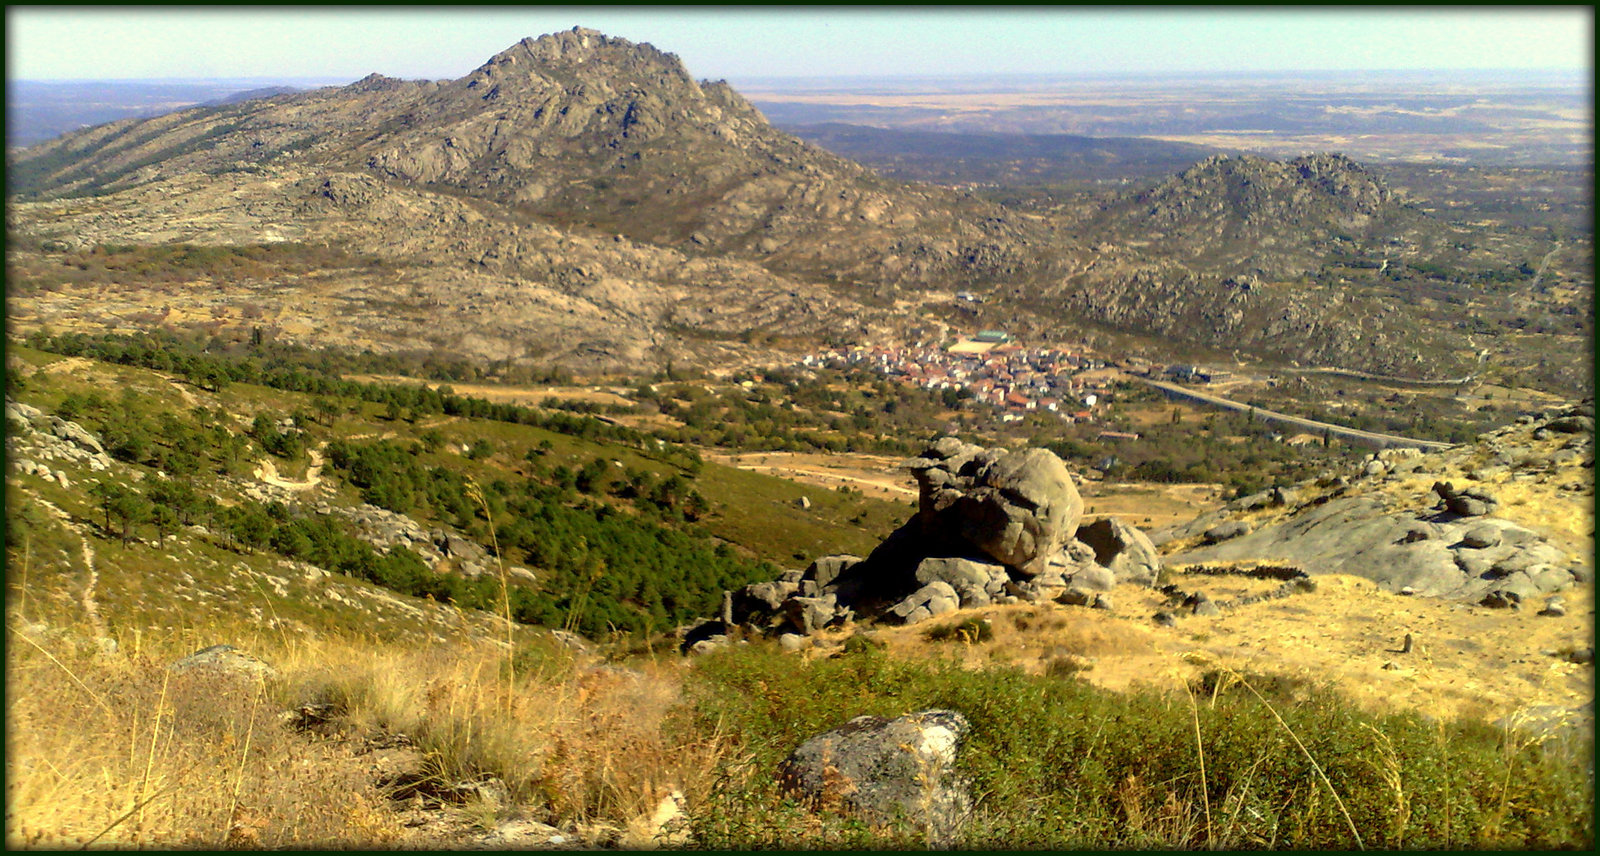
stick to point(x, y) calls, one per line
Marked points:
point(1542, 265)
point(1381, 378)
point(1352, 434)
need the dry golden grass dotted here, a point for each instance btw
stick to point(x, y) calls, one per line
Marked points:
point(1469, 661)
point(116, 750)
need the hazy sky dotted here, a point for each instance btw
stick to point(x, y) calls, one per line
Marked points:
point(343, 44)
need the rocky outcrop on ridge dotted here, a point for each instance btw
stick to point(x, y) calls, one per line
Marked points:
point(582, 200)
point(1420, 524)
point(992, 526)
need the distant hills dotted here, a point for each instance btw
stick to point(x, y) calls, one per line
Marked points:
point(581, 199)
point(949, 157)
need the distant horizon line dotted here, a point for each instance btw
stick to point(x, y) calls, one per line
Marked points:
point(328, 80)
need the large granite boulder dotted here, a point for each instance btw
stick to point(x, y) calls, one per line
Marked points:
point(992, 526)
point(887, 770)
point(223, 661)
point(1018, 507)
point(975, 581)
point(72, 432)
point(1122, 549)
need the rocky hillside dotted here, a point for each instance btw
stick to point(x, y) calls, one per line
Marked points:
point(298, 668)
point(1251, 216)
point(577, 128)
point(1506, 528)
point(581, 199)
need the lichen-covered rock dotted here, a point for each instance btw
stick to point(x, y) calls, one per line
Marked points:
point(828, 568)
point(935, 598)
point(887, 770)
point(1018, 507)
point(1226, 531)
point(223, 661)
point(72, 432)
point(974, 581)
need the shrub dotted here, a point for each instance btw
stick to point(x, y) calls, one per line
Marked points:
point(971, 629)
point(1065, 765)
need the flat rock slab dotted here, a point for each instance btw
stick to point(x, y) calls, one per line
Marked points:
point(1397, 549)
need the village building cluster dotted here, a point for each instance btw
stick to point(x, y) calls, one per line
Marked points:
point(990, 369)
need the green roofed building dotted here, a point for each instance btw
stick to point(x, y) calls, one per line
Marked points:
point(996, 336)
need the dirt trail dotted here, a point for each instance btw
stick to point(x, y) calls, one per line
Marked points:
point(823, 478)
point(267, 472)
point(877, 475)
point(90, 607)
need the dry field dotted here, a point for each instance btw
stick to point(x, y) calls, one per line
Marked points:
point(1146, 506)
point(877, 476)
point(1466, 660)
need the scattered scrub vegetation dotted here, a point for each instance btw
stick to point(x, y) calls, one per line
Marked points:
point(1064, 765)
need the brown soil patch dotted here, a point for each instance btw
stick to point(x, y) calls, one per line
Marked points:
point(877, 476)
point(1148, 506)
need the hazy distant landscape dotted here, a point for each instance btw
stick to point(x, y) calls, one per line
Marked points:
point(575, 453)
point(1540, 119)
point(1466, 117)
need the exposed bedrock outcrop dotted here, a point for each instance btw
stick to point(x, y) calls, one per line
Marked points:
point(992, 526)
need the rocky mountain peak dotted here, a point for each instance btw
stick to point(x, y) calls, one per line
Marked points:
point(374, 83)
point(1325, 177)
point(583, 55)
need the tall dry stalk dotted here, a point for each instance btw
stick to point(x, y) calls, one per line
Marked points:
point(1390, 771)
point(244, 756)
point(155, 732)
point(1200, 750)
point(476, 493)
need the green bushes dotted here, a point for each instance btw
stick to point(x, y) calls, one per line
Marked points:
point(1060, 764)
point(967, 630)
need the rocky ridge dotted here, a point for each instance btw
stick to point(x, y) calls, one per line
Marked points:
point(997, 526)
point(582, 199)
point(1431, 524)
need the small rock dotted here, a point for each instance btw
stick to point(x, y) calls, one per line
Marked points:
point(223, 660)
point(1572, 425)
point(1480, 537)
point(706, 646)
point(1225, 531)
point(1555, 607)
point(1501, 599)
point(1075, 597)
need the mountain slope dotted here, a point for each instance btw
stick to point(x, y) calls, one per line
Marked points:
point(582, 200)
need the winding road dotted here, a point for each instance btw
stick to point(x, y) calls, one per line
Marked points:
point(1382, 441)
